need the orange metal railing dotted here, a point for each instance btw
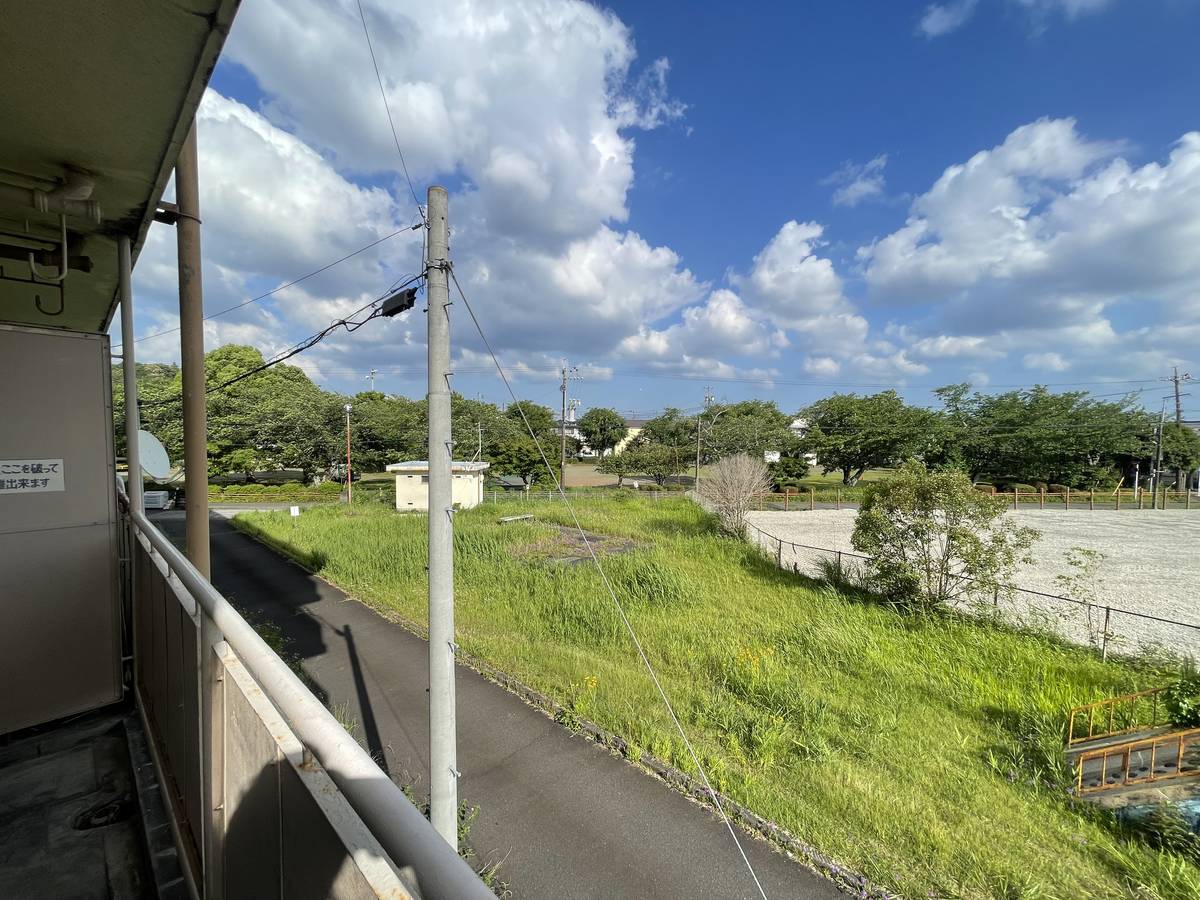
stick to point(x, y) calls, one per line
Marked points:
point(1116, 715)
point(1163, 758)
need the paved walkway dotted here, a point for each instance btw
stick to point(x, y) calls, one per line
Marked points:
point(567, 819)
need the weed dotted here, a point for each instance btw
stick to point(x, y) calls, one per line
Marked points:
point(923, 751)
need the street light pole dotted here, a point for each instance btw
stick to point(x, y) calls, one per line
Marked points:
point(349, 482)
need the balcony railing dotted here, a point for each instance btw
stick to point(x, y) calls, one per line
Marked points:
point(269, 795)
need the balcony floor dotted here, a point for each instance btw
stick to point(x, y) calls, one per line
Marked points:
point(71, 824)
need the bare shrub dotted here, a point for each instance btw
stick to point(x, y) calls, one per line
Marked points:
point(729, 489)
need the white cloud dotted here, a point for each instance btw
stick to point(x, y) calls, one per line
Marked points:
point(789, 281)
point(857, 182)
point(527, 100)
point(942, 18)
point(721, 326)
point(893, 364)
point(1046, 231)
point(945, 346)
point(1050, 361)
point(824, 366)
point(1071, 9)
point(542, 94)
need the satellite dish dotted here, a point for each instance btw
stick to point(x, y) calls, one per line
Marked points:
point(154, 459)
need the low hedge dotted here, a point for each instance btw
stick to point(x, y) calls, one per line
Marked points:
point(326, 490)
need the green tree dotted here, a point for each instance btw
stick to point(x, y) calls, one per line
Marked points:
point(386, 430)
point(475, 422)
point(539, 417)
point(787, 472)
point(620, 464)
point(602, 428)
point(751, 426)
point(935, 541)
point(851, 434)
point(1180, 447)
point(518, 455)
point(659, 461)
point(1036, 436)
point(671, 428)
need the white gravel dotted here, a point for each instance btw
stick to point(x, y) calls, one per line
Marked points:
point(1151, 566)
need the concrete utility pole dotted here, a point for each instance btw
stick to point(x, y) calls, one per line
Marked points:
point(191, 345)
point(443, 752)
point(133, 459)
point(708, 401)
point(1176, 380)
point(349, 481)
point(569, 372)
point(1154, 476)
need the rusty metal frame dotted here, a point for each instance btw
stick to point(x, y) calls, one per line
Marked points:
point(1181, 739)
point(1111, 704)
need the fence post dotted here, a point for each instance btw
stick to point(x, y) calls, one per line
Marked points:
point(812, 498)
point(1141, 499)
point(1118, 499)
point(1104, 636)
point(839, 506)
point(839, 565)
point(779, 553)
point(1016, 496)
point(1041, 498)
point(1092, 499)
point(760, 501)
point(787, 493)
point(1187, 499)
point(1066, 498)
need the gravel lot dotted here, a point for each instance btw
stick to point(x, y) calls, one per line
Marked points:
point(1151, 566)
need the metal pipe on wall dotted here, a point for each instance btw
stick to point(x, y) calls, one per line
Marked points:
point(133, 423)
point(191, 343)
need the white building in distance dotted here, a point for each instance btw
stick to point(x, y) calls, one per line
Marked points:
point(412, 484)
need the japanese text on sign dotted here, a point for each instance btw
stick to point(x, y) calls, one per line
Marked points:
point(23, 476)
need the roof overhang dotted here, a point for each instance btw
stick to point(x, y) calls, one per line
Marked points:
point(421, 465)
point(98, 99)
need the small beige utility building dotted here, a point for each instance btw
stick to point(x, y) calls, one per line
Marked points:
point(412, 484)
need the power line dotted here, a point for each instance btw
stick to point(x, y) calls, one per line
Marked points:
point(648, 373)
point(289, 284)
point(345, 322)
point(388, 109)
point(611, 592)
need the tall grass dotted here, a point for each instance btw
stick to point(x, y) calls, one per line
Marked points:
point(924, 752)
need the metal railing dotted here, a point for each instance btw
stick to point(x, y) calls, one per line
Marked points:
point(1116, 716)
point(1167, 757)
point(270, 796)
point(1092, 624)
point(792, 500)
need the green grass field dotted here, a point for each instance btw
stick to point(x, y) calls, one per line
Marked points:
point(925, 753)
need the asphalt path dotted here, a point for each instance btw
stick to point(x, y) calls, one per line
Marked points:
point(564, 817)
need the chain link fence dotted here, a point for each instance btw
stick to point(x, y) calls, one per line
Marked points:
point(1107, 628)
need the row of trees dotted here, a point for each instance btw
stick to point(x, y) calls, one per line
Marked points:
point(281, 419)
point(1032, 437)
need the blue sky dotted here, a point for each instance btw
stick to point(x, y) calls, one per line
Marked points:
point(781, 202)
